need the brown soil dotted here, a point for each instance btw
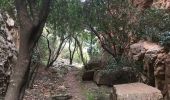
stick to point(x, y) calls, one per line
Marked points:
point(73, 84)
point(48, 84)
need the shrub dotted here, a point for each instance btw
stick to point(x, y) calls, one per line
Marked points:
point(165, 40)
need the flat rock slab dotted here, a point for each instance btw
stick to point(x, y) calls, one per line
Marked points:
point(113, 77)
point(135, 91)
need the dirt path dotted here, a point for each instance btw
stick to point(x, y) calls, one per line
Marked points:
point(51, 83)
point(73, 85)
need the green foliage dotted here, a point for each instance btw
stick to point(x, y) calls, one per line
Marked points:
point(119, 17)
point(123, 61)
point(165, 40)
point(152, 24)
point(90, 96)
point(6, 4)
point(108, 17)
point(43, 50)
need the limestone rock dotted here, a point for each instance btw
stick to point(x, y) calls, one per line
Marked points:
point(88, 75)
point(155, 64)
point(167, 78)
point(110, 77)
point(142, 4)
point(135, 91)
point(93, 65)
point(8, 51)
point(137, 51)
point(162, 4)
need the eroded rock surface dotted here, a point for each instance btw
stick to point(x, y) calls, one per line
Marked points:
point(8, 51)
point(142, 4)
point(155, 63)
point(135, 91)
point(111, 77)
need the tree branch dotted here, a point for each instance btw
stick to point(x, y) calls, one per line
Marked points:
point(102, 44)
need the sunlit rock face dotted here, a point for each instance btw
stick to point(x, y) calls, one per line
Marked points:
point(135, 91)
point(142, 4)
point(156, 64)
point(162, 4)
point(8, 51)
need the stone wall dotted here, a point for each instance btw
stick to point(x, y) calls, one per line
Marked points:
point(8, 51)
point(156, 64)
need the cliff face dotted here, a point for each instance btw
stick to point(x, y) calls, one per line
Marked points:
point(8, 51)
point(156, 64)
point(162, 4)
point(144, 4)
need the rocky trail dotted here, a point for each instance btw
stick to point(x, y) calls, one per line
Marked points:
point(64, 83)
point(73, 85)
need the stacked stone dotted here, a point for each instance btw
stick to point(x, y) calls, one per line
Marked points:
point(8, 51)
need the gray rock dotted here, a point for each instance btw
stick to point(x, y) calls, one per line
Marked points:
point(135, 91)
point(8, 51)
point(110, 77)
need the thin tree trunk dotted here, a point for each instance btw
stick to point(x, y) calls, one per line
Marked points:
point(49, 49)
point(81, 51)
point(104, 46)
point(57, 54)
point(72, 52)
point(32, 75)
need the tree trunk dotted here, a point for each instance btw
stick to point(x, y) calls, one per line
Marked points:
point(57, 53)
point(70, 52)
point(81, 51)
point(17, 79)
point(31, 28)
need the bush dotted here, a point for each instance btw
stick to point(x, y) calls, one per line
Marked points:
point(124, 61)
point(90, 96)
point(165, 40)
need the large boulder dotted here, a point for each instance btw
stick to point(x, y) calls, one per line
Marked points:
point(137, 51)
point(88, 75)
point(155, 61)
point(93, 65)
point(8, 51)
point(135, 91)
point(110, 77)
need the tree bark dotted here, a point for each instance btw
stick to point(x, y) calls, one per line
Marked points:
point(72, 52)
point(30, 32)
point(51, 61)
point(17, 79)
point(81, 51)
